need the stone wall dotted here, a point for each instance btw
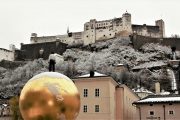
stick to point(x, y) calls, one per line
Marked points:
point(40, 50)
point(35, 39)
point(156, 31)
point(139, 41)
point(6, 55)
point(146, 30)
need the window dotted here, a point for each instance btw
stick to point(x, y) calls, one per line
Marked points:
point(96, 108)
point(85, 108)
point(87, 36)
point(171, 112)
point(110, 34)
point(104, 35)
point(96, 92)
point(151, 113)
point(151, 104)
point(85, 92)
point(92, 27)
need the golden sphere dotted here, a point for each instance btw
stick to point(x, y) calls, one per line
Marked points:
point(49, 96)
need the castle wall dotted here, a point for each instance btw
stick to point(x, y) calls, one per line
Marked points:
point(157, 31)
point(64, 39)
point(77, 38)
point(89, 37)
point(43, 39)
point(6, 55)
point(32, 51)
point(139, 41)
point(70, 38)
point(144, 30)
point(103, 34)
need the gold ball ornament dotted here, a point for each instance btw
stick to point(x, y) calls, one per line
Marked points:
point(49, 96)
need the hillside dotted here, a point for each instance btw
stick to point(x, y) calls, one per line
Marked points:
point(102, 57)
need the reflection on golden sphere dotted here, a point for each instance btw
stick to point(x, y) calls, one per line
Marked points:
point(49, 96)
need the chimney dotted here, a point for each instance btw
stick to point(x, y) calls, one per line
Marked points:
point(157, 88)
point(91, 73)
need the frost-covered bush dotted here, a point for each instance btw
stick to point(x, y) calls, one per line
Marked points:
point(8, 84)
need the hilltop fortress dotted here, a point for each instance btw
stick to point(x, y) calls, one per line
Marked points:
point(101, 30)
point(95, 31)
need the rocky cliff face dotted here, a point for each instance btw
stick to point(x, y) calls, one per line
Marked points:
point(102, 57)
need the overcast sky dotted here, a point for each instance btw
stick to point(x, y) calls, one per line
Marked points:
point(20, 18)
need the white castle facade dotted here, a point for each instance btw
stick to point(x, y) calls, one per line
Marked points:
point(102, 30)
point(8, 54)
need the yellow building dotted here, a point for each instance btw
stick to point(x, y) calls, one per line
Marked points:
point(102, 98)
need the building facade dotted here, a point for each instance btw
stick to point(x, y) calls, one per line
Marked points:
point(102, 98)
point(6, 54)
point(159, 107)
point(95, 31)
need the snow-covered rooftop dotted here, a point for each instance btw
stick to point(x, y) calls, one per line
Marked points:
point(96, 74)
point(120, 64)
point(164, 93)
point(159, 99)
point(142, 90)
point(150, 65)
point(4, 105)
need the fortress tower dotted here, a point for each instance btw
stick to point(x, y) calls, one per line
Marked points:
point(126, 19)
point(161, 25)
point(89, 34)
point(33, 37)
